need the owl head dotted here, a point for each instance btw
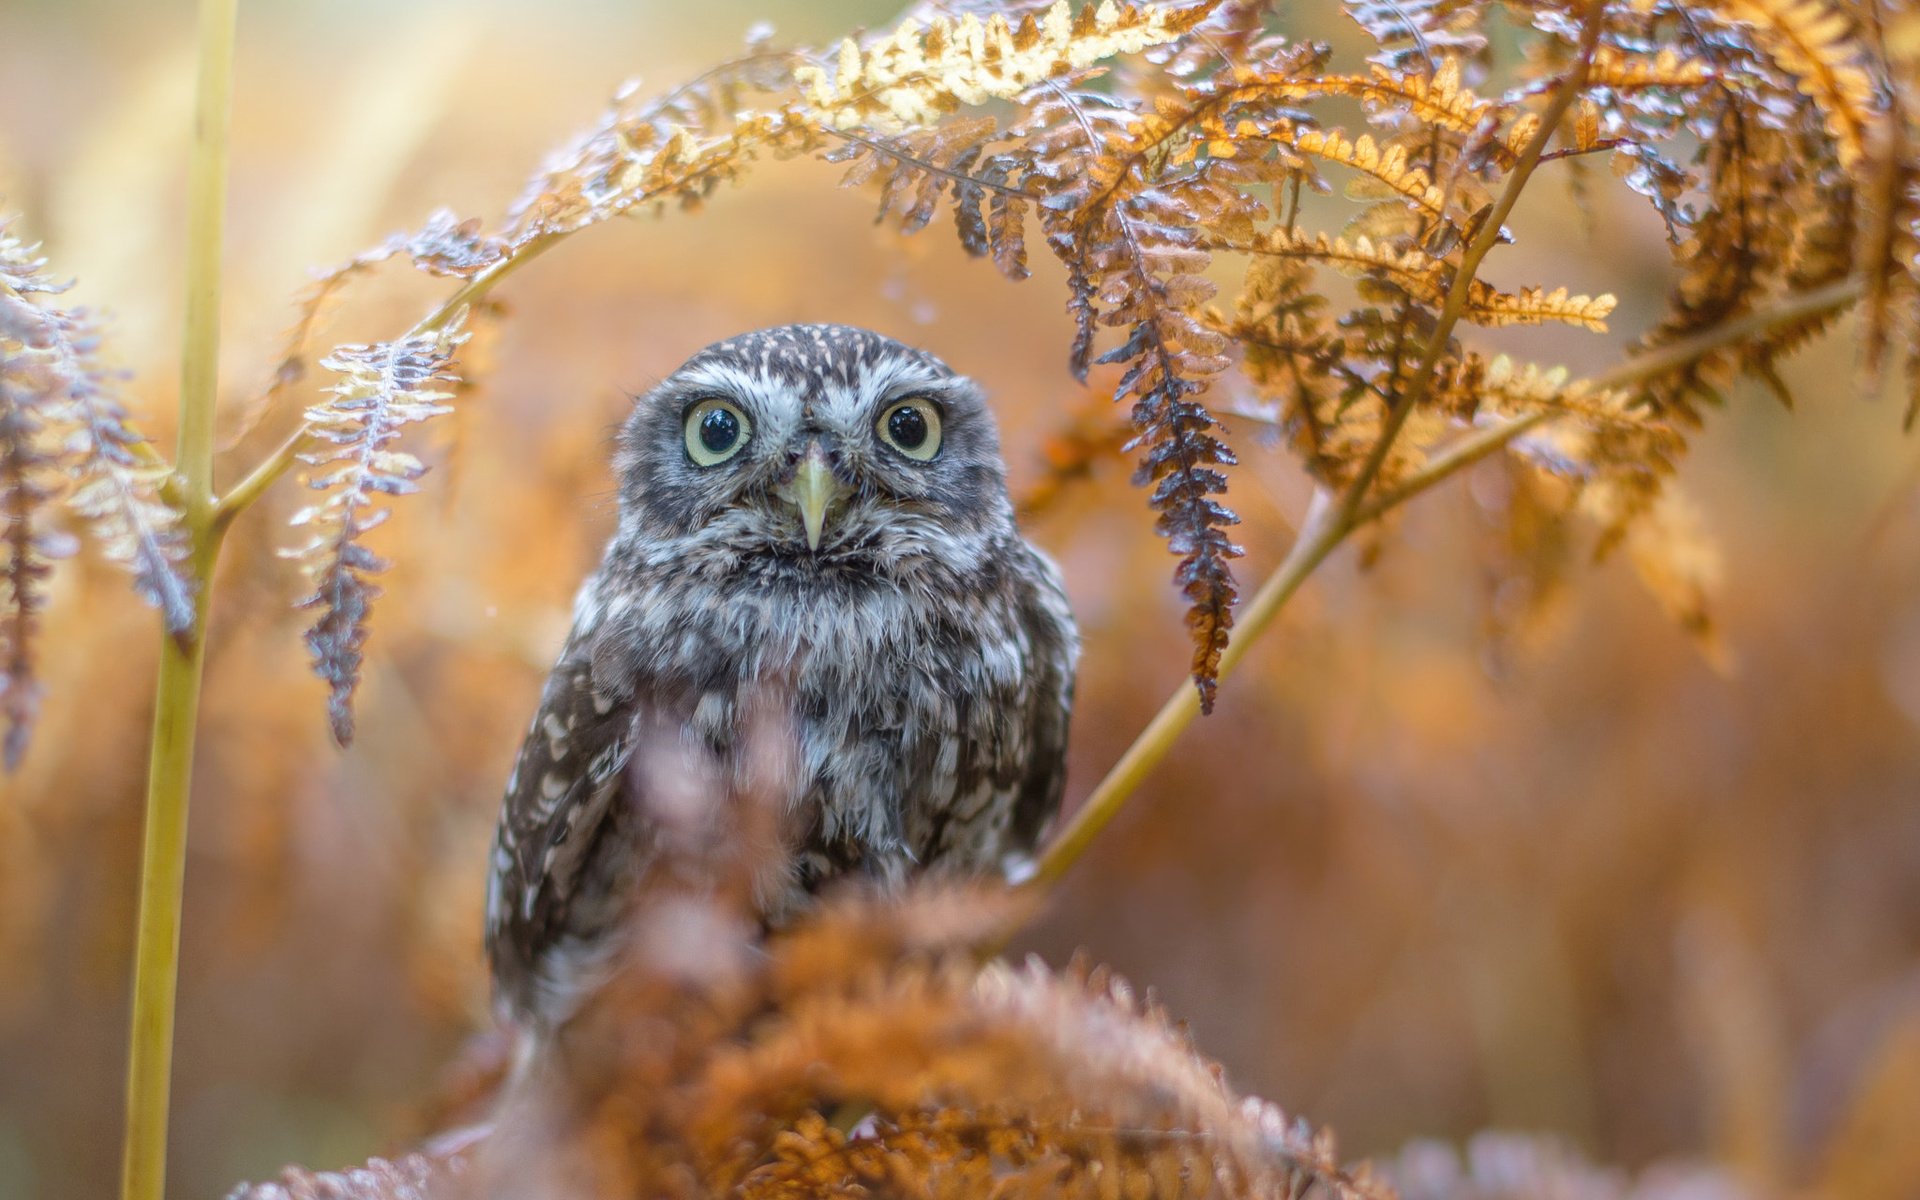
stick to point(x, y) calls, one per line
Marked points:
point(821, 442)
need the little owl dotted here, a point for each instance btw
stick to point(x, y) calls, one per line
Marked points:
point(818, 514)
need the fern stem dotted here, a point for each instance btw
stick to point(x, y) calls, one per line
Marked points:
point(182, 661)
point(1319, 534)
point(1483, 243)
point(254, 484)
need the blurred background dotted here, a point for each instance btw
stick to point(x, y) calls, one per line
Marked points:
point(1478, 839)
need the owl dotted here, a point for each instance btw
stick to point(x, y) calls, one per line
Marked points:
point(815, 515)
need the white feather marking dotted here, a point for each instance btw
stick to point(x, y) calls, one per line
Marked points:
point(556, 735)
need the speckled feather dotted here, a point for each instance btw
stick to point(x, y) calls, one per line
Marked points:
point(924, 652)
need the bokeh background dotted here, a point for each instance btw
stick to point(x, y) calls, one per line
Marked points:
point(1479, 839)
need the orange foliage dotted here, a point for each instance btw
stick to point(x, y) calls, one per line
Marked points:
point(1464, 847)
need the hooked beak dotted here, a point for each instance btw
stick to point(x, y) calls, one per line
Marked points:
point(812, 491)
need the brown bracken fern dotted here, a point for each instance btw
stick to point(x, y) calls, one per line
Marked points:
point(1143, 144)
point(968, 1081)
point(889, 101)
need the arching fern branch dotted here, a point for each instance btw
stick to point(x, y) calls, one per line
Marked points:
point(680, 149)
point(383, 389)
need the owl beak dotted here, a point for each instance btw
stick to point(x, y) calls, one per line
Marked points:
point(813, 491)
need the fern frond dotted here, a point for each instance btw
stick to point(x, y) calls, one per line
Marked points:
point(446, 245)
point(24, 492)
point(1288, 352)
point(1774, 191)
point(1610, 441)
point(619, 164)
point(1663, 184)
point(1535, 306)
point(414, 1177)
point(1234, 36)
point(1420, 33)
point(112, 476)
point(20, 270)
point(917, 170)
point(1884, 257)
point(1668, 68)
point(1813, 42)
point(914, 77)
point(1418, 276)
point(1122, 217)
point(1390, 166)
point(116, 491)
point(1000, 1077)
point(383, 388)
point(1672, 552)
point(1510, 389)
point(65, 434)
point(1434, 98)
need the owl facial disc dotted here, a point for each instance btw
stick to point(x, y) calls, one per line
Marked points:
point(813, 489)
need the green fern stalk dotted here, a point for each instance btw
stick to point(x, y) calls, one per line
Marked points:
point(177, 702)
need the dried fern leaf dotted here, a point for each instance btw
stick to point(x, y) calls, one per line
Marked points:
point(414, 1177)
point(1390, 166)
point(605, 171)
point(113, 476)
point(1232, 37)
point(1675, 557)
point(1419, 277)
point(1420, 33)
point(917, 170)
point(116, 493)
point(20, 270)
point(1122, 212)
point(1535, 306)
point(1668, 68)
point(1436, 99)
point(24, 493)
point(1885, 252)
point(1813, 42)
point(444, 246)
point(65, 434)
point(988, 1083)
point(914, 77)
point(382, 389)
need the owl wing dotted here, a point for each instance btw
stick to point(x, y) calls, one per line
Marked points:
point(565, 787)
point(1055, 643)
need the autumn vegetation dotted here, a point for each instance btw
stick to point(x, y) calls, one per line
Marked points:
point(1293, 251)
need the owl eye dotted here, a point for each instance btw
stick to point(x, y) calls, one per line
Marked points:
point(912, 427)
point(715, 432)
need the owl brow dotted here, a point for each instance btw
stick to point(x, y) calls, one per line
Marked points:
point(719, 381)
point(940, 392)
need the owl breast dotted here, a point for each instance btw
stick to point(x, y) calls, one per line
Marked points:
point(909, 717)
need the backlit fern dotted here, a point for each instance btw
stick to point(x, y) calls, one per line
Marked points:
point(1142, 144)
point(1150, 151)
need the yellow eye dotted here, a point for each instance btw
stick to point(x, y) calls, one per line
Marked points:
point(715, 432)
point(912, 427)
